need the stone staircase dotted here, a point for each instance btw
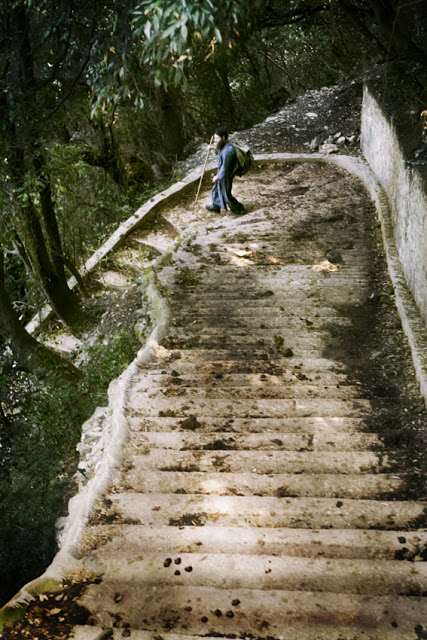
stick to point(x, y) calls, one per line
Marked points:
point(259, 496)
point(255, 498)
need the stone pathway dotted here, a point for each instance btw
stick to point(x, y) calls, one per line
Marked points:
point(266, 490)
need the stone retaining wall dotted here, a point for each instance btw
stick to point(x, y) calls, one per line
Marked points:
point(406, 192)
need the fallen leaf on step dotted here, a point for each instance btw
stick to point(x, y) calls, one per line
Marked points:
point(325, 266)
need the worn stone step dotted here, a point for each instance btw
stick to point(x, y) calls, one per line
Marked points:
point(328, 543)
point(262, 331)
point(213, 375)
point(214, 390)
point(259, 613)
point(231, 279)
point(260, 359)
point(328, 424)
point(257, 363)
point(270, 441)
point(296, 288)
point(265, 572)
point(273, 294)
point(305, 513)
point(264, 300)
point(301, 342)
point(160, 233)
point(354, 486)
point(290, 632)
point(268, 462)
point(263, 408)
point(231, 275)
point(274, 322)
point(254, 313)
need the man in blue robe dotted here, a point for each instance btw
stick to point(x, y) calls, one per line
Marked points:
point(223, 180)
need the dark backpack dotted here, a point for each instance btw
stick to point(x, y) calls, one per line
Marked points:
point(245, 160)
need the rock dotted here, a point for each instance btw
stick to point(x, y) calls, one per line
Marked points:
point(328, 148)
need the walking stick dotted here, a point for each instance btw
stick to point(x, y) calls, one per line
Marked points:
point(204, 167)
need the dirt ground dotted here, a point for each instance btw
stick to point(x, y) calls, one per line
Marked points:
point(329, 116)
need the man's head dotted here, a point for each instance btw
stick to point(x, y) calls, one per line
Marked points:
point(220, 137)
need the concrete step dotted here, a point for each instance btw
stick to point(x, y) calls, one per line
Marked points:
point(270, 441)
point(354, 486)
point(334, 426)
point(286, 330)
point(305, 341)
point(290, 632)
point(273, 322)
point(261, 359)
point(160, 233)
point(254, 313)
point(237, 268)
point(264, 332)
point(305, 513)
point(255, 613)
point(260, 381)
point(258, 363)
point(265, 572)
point(214, 390)
point(240, 408)
point(138, 540)
point(272, 293)
point(264, 300)
point(297, 287)
point(185, 213)
point(230, 275)
point(260, 462)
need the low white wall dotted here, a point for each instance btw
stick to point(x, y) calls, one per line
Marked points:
point(407, 198)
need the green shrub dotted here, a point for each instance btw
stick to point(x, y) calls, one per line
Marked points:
point(38, 456)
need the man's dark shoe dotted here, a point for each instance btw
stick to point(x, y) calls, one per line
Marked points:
point(239, 211)
point(213, 207)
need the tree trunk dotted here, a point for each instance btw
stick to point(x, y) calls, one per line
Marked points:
point(108, 158)
point(391, 24)
point(55, 286)
point(4, 423)
point(26, 349)
point(51, 231)
point(45, 255)
point(229, 111)
point(29, 353)
point(171, 125)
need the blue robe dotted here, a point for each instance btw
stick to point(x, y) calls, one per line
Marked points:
point(227, 169)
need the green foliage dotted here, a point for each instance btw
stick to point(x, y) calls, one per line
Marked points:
point(38, 454)
point(172, 32)
point(106, 362)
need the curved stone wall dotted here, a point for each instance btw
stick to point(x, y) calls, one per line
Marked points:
point(406, 194)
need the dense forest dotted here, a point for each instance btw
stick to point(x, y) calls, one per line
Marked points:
point(99, 100)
